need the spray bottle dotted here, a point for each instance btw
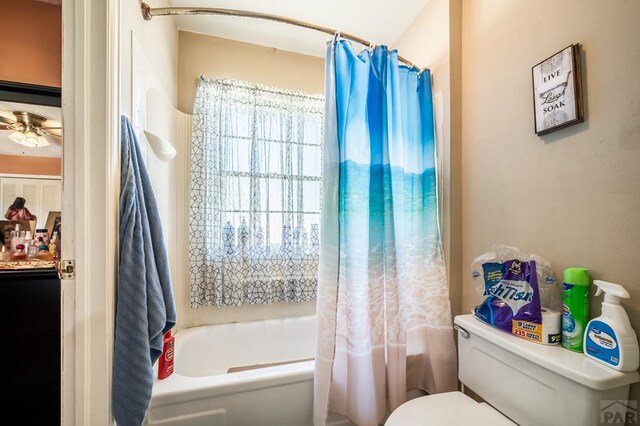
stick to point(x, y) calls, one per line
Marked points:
point(609, 338)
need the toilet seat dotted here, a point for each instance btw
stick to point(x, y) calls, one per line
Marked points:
point(446, 409)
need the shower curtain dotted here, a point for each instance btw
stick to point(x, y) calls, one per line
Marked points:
point(383, 310)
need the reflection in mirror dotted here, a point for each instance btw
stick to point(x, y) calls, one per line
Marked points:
point(30, 182)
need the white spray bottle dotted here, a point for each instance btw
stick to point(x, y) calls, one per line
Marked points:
point(609, 338)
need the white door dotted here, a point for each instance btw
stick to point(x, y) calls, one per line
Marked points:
point(90, 119)
point(9, 191)
point(30, 191)
point(50, 199)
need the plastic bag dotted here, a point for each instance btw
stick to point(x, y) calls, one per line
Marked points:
point(550, 289)
point(516, 285)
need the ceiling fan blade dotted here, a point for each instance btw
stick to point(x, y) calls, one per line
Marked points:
point(6, 120)
point(47, 131)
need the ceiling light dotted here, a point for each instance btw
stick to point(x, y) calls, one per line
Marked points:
point(29, 138)
point(34, 140)
point(17, 137)
point(27, 129)
point(42, 142)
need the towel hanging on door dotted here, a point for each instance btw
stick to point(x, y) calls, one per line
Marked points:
point(145, 308)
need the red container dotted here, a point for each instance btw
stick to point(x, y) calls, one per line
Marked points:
point(165, 365)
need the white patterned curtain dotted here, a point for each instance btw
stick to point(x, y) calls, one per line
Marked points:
point(254, 194)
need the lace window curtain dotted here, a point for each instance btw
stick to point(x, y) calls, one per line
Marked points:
point(254, 194)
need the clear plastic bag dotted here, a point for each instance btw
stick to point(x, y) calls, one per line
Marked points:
point(549, 288)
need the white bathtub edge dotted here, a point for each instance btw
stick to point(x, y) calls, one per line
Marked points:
point(178, 388)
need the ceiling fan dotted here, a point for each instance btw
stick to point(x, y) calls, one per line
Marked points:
point(28, 129)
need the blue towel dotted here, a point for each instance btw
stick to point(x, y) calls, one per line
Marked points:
point(145, 308)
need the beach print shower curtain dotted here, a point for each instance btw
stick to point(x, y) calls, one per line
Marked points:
point(384, 315)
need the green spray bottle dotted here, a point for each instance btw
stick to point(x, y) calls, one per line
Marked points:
point(575, 307)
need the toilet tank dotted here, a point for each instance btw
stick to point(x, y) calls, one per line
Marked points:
point(535, 384)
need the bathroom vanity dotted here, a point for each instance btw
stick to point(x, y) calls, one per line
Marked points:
point(30, 356)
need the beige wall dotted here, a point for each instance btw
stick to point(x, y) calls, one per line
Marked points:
point(158, 39)
point(572, 196)
point(148, 96)
point(433, 41)
point(31, 34)
point(219, 57)
point(23, 165)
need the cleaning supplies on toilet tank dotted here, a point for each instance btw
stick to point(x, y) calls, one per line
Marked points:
point(512, 282)
point(575, 307)
point(609, 338)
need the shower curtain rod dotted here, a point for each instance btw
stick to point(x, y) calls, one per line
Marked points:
point(149, 12)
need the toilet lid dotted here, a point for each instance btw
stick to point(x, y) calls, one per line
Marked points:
point(446, 409)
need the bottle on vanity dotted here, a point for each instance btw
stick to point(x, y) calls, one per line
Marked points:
point(43, 251)
point(20, 253)
point(28, 238)
point(5, 255)
point(42, 233)
point(54, 245)
point(15, 238)
point(32, 249)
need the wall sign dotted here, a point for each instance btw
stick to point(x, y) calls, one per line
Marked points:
point(557, 91)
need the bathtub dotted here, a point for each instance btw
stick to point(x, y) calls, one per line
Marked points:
point(202, 391)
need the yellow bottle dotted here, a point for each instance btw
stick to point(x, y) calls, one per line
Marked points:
point(43, 253)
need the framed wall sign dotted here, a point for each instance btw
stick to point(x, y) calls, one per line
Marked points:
point(557, 91)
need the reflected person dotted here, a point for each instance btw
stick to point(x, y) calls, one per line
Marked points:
point(17, 211)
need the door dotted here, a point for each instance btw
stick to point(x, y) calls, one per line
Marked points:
point(89, 206)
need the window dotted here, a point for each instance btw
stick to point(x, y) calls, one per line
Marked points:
point(254, 194)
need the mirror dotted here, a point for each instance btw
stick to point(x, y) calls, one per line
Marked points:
point(30, 165)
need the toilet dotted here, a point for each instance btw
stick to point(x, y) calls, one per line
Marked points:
point(523, 383)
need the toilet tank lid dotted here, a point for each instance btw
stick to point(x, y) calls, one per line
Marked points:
point(572, 365)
